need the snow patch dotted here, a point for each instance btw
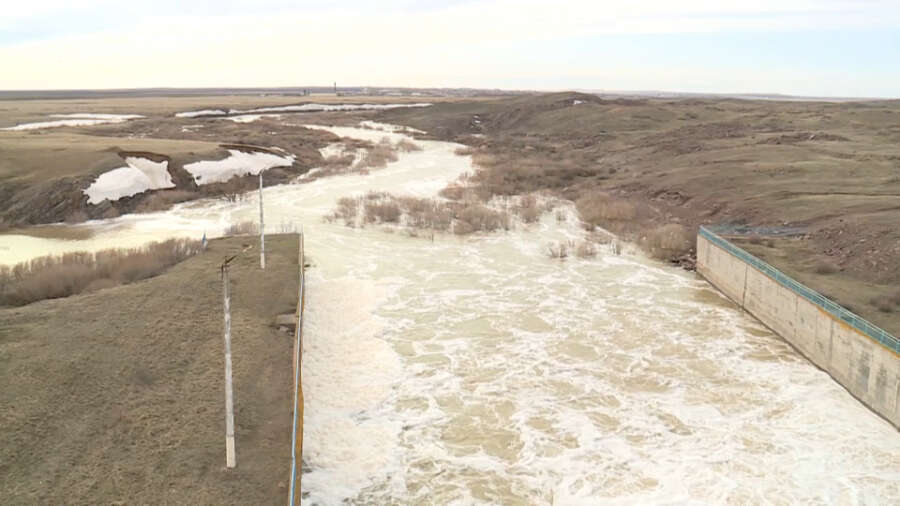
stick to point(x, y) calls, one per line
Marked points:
point(249, 118)
point(297, 108)
point(204, 112)
point(138, 176)
point(239, 163)
point(97, 116)
point(77, 119)
point(334, 107)
point(577, 102)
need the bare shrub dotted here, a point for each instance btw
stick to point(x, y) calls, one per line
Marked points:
point(527, 209)
point(585, 249)
point(426, 213)
point(407, 146)
point(420, 213)
point(242, 228)
point(347, 210)
point(825, 267)
point(453, 192)
point(895, 297)
point(601, 208)
point(478, 218)
point(616, 247)
point(668, 241)
point(379, 156)
point(52, 277)
point(464, 151)
point(561, 216)
point(559, 250)
point(382, 211)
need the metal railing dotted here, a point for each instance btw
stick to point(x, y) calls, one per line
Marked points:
point(854, 320)
point(297, 429)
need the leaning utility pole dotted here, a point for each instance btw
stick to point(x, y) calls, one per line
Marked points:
point(262, 228)
point(229, 397)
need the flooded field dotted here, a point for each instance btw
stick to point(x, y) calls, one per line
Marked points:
point(478, 370)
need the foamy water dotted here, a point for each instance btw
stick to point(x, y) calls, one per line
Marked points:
point(479, 371)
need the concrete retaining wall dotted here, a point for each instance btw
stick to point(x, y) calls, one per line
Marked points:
point(866, 363)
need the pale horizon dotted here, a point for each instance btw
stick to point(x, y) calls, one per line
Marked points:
point(831, 48)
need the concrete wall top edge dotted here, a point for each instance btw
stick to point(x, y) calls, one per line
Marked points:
point(840, 313)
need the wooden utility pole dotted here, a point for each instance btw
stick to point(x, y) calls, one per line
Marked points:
point(262, 228)
point(229, 396)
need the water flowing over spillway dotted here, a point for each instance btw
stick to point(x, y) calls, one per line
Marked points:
point(478, 370)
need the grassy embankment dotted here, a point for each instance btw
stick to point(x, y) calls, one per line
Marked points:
point(653, 170)
point(116, 396)
point(53, 277)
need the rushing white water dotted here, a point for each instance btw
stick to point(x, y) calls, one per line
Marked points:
point(478, 370)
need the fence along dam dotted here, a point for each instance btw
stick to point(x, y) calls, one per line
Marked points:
point(477, 370)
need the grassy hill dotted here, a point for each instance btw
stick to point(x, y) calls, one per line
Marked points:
point(117, 396)
point(634, 165)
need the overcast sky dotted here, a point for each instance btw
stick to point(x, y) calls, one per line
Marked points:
point(801, 47)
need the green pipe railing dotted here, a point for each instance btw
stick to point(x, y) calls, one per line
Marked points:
point(859, 323)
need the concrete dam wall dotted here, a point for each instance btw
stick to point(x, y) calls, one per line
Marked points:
point(860, 356)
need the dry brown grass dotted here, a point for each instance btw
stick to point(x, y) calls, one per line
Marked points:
point(379, 156)
point(115, 396)
point(668, 241)
point(600, 209)
point(242, 228)
point(162, 200)
point(883, 304)
point(895, 297)
point(825, 267)
point(479, 218)
point(53, 277)
point(528, 210)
